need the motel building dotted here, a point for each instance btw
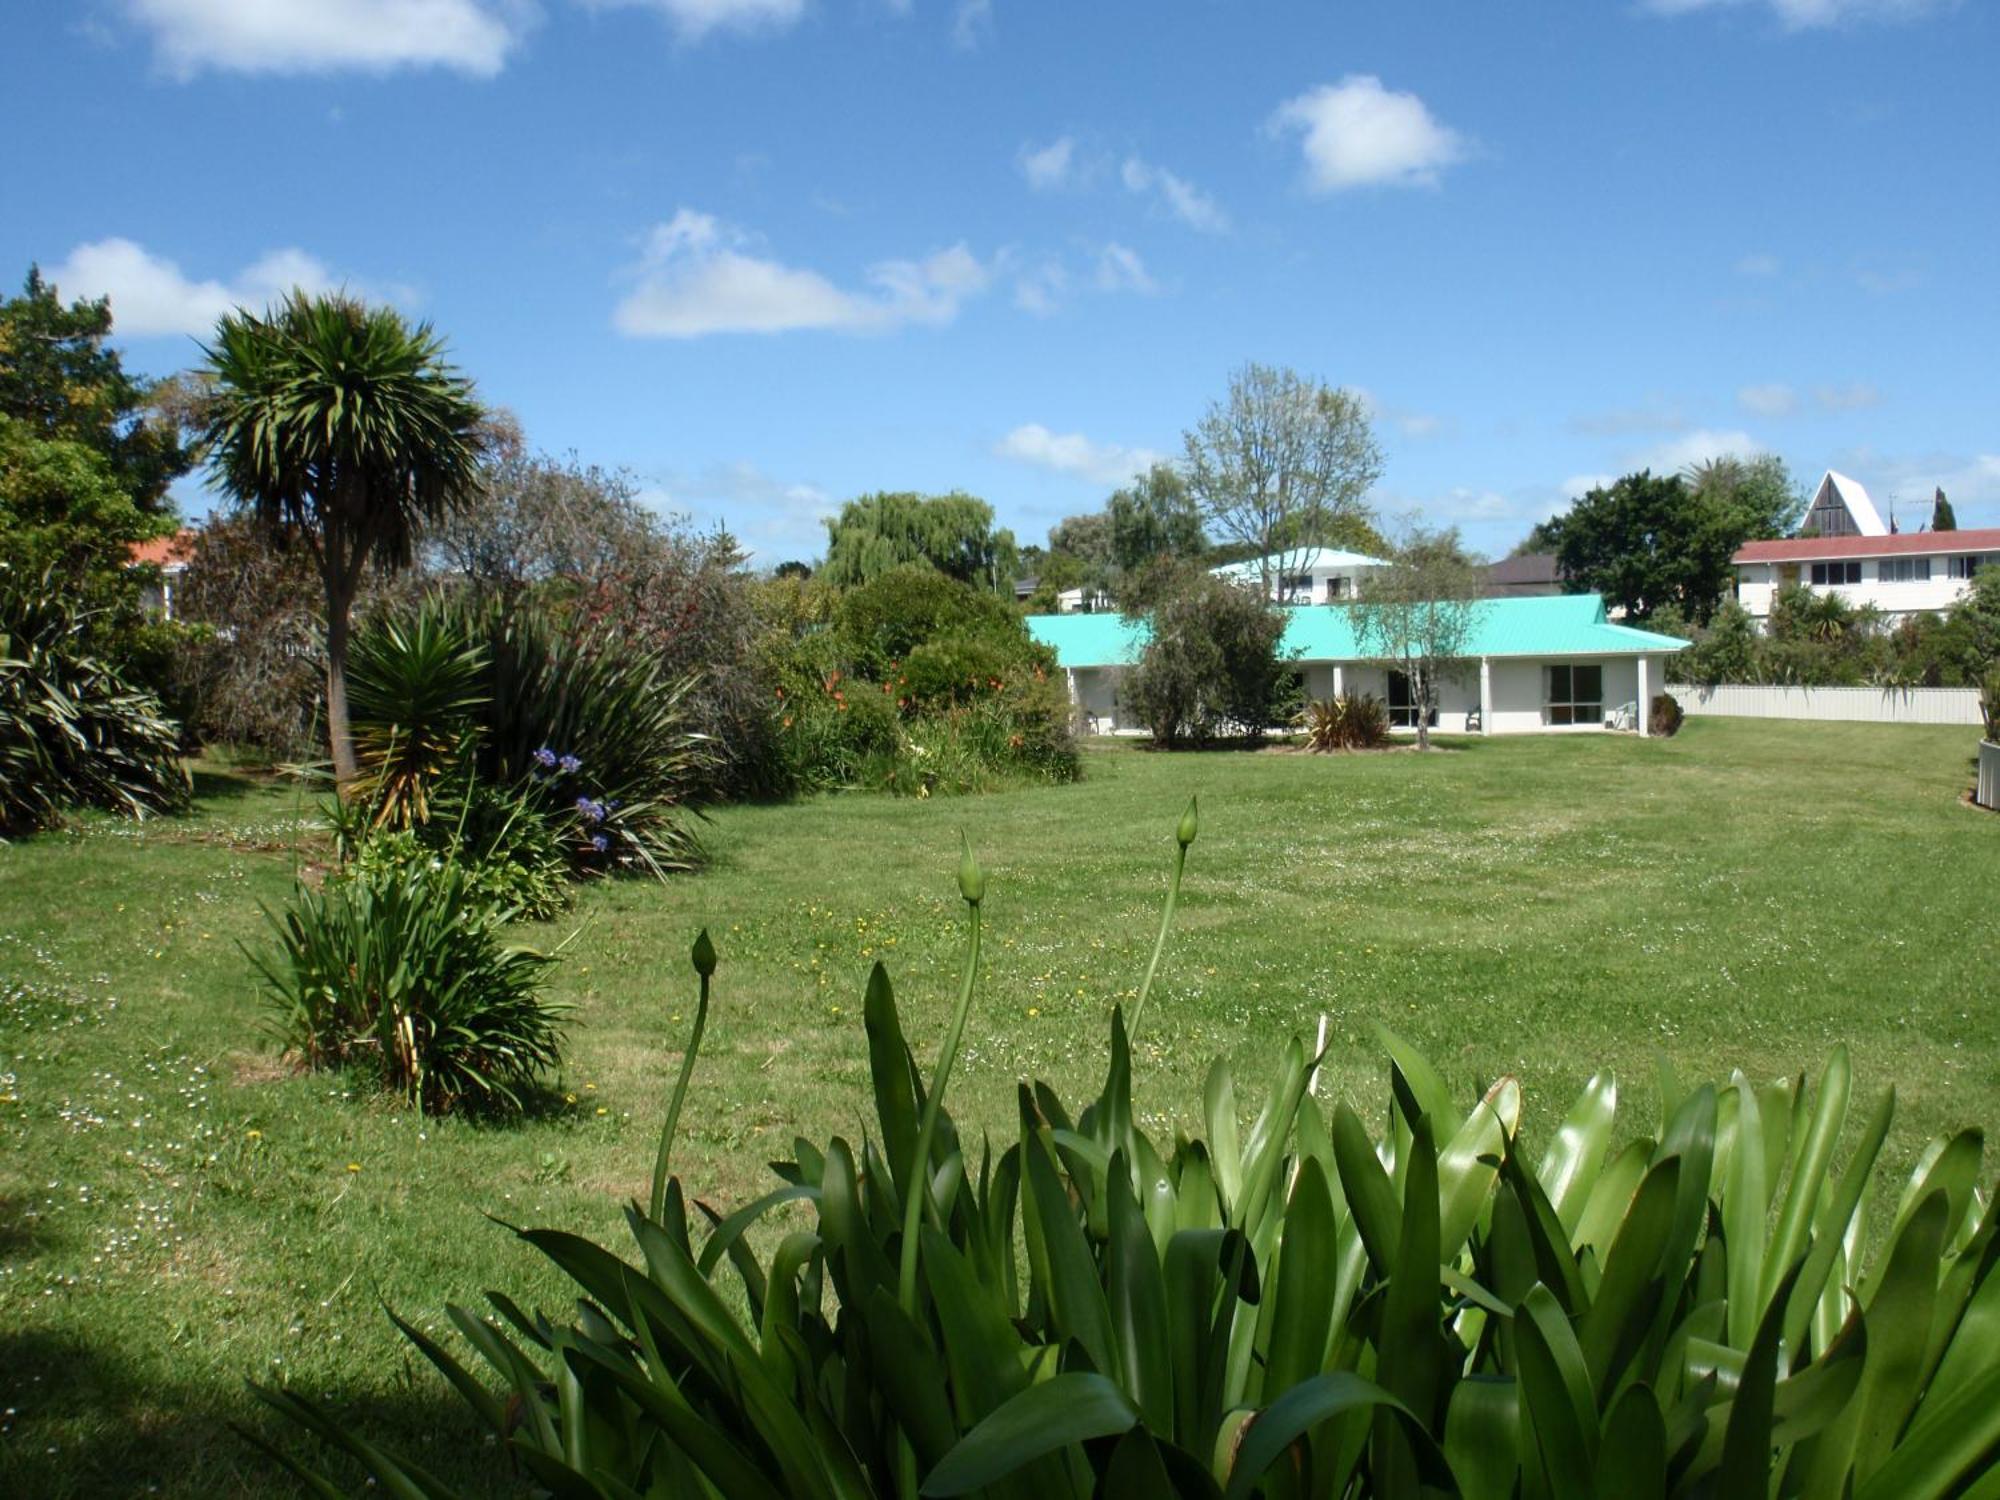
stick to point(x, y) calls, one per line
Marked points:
point(1552, 664)
point(1853, 554)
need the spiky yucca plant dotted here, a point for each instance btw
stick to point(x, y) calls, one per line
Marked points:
point(1304, 1309)
point(73, 731)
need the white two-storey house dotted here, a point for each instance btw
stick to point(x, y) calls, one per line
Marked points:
point(1854, 555)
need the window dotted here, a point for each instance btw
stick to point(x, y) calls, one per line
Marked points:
point(1403, 703)
point(1336, 588)
point(1965, 566)
point(1576, 695)
point(1827, 573)
point(1904, 570)
point(1295, 588)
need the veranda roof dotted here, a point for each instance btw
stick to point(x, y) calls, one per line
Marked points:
point(1552, 625)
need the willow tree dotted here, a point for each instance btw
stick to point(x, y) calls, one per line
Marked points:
point(343, 426)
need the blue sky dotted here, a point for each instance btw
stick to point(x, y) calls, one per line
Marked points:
point(770, 254)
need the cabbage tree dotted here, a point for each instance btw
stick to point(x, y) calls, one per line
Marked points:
point(344, 426)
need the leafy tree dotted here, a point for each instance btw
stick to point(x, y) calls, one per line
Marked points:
point(1211, 665)
point(63, 384)
point(1154, 516)
point(1419, 613)
point(793, 568)
point(953, 533)
point(1648, 540)
point(1942, 518)
point(1758, 493)
point(341, 424)
point(1087, 538)
point(1279, 460)
point(63, 508)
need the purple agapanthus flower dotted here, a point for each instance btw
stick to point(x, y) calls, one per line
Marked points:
point(592, 812)
point(600, 843)
point(569, 765)
point(545, 758)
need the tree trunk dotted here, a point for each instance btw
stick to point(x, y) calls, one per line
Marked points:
point(339, 606)
point(1420, 690)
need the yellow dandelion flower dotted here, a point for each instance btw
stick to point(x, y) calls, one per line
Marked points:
point(256, 1135)
point(354, 1166)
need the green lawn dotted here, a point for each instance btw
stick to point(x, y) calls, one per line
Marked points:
point(178, 1213)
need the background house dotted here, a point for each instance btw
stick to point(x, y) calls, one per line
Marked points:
point(1524, 576)
point(1903, 574)
point(1550, 663)
point(170, 555)
point(1312, 575)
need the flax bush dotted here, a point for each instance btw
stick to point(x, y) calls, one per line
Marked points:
point(401, 972)
point(1311, 1307)
point(1348, 722)
point(74, 732)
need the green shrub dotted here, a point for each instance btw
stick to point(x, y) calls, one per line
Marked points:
point(1665, 716)
point(1304, 1309)
point(73, 731)
point(1211, 666)
point(414, 687)
point(881, 622)
point(915, 684)
point(1989, 704)
point(1347, 722)
point(559, 713)
point(511, 852)
point(400, 971)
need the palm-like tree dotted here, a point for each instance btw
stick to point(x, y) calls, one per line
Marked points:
point(343, 425)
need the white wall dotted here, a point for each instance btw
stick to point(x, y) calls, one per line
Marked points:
point(1757, 584)
point(1518, 692)
point(1849, 704)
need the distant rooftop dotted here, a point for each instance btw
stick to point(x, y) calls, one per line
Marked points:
point(1307, 560)
point(1899, 544)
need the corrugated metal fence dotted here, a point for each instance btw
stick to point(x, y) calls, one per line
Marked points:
point(1863, 704)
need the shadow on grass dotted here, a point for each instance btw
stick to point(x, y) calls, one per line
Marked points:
point(84, 1421)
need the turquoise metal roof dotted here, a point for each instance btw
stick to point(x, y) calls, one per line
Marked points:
point(1551, 625)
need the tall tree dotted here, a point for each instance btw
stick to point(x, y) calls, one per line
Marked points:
point(1278, 460)
point(1941, 517)
point(1154, 516)
point(1649, 540)
point(61, 382)
point(343, 425)
point(1418, 615)
point(1756, 496)
point(953, 533)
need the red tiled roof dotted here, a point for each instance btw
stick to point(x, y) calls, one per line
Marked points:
point(163, 551)
point(1902, 544)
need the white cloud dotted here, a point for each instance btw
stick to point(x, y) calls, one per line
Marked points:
point(1040, 290)
point(700, 276)
point(693, 20)
point(971, 23)
point(1773, 400)
point(1119, 269)
point(1856, 396)
point(1073, 453)
point(1578, 485)
point(1467, 505)
point(1758, 264)
point(1177, 195)
point(773, 519)
point(1414, 425)
point(1696, 447)
point(1052, 166)
point(1802, 15)
point(318, 36)
point(150, 296)
point(1359, 134)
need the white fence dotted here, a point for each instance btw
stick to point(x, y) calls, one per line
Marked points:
point(1863, 704)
